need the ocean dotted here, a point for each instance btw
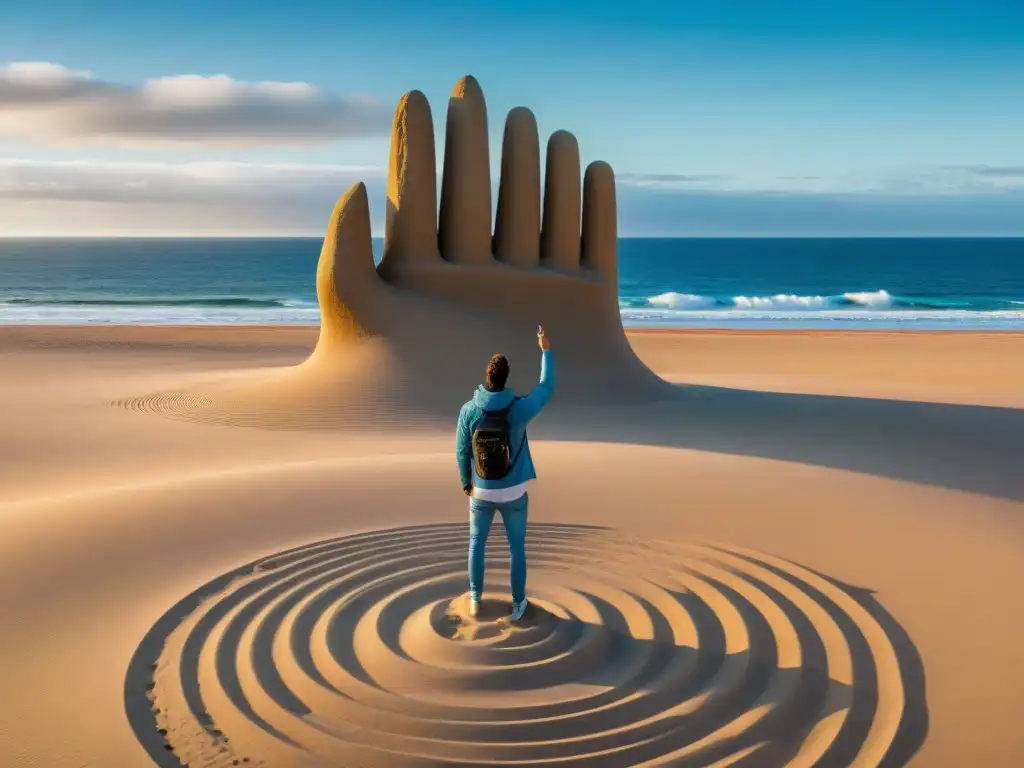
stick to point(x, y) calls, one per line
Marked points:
point(685, 283)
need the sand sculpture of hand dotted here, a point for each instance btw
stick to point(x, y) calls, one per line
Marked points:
point(406, 341)
point(443, 275)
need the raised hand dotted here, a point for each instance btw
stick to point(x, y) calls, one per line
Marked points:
point(443, 272)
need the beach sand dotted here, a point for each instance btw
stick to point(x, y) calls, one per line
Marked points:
point(247, 546)
point(817, 554)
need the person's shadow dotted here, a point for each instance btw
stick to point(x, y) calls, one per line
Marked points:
point(962, 447)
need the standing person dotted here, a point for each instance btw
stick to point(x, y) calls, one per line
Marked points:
point(495, 465)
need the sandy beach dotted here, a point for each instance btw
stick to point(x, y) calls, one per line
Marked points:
point(812, 558)
point(234, 545)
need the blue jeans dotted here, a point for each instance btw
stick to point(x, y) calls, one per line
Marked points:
point(513, 515)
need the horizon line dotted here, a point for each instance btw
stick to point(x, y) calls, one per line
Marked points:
point(214, 236)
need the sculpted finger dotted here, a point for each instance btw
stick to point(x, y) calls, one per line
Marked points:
point(560, 235)
point(464, 223)
point(410, 233)
point(345, 273)
point(600, 225)
point(517, 223)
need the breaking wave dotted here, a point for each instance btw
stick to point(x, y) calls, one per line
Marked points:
point(863, 309)
point(880, 299)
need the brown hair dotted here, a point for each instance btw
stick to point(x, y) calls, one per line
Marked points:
point(497, 373)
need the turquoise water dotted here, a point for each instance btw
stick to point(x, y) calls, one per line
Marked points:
point(798, 283)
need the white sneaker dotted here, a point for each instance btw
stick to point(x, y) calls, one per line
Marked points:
point(474, 608)
point(518, 609)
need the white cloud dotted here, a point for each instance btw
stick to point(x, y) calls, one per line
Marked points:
point(50, 103)
point(97, 197)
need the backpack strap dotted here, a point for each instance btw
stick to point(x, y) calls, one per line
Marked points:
point(522, 443)
point(518, 453)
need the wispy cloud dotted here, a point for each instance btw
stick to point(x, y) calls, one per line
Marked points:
point(94, 196)
point(641, 179)
point(996, 171)
point(201, 198)
point(152, 182)
point(155, 183)
point(50, 103)
point(925, 181)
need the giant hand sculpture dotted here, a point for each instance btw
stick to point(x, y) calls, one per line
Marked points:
point(408, 340)
point(446, 287)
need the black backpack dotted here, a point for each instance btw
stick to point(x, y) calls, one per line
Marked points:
point(492, 451)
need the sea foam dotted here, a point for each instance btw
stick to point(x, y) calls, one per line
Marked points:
point(781, 301)
point(675, 300)
point(879, 299)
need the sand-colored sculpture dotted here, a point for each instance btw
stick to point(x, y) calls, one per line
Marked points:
point(411, 335)
point(518, 212)
point(560, 241)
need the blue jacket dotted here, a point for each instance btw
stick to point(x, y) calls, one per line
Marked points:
point(522, 412)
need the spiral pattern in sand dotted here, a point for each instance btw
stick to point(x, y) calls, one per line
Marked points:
point(359, 651)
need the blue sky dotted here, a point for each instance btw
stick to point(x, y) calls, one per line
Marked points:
point(736, 117)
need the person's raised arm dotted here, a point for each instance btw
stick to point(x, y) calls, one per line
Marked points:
point(529, 406)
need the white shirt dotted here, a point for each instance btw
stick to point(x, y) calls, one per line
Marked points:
point(499, 494)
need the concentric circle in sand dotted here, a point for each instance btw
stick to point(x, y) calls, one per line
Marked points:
point(359, 651)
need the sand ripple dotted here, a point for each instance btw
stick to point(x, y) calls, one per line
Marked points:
point(359, 651)
point(272, 406)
